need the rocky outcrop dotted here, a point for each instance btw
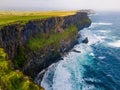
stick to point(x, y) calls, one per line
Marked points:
point(85, 40)
point(14, 39)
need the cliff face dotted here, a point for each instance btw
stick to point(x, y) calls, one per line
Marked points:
point(15, 38)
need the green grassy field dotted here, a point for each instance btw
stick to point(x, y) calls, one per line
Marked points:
point(9, 17)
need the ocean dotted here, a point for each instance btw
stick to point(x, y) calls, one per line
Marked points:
point(96, 65)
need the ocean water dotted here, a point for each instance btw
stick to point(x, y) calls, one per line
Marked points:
point(97, 65)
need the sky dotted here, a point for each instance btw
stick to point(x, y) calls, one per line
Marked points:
point(60, 4)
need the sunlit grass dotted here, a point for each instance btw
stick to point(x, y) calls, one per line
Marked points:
point(13, 80)
point(9, 17)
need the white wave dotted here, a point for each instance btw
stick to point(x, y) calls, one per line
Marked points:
point(66, 69)
point(80, 48)
point(69, 72)
point(92, 87)
point(115, 43)
point(101, 38)
point(104, 31)
point(61, 78)
point(47, 79)
point(89, 87)
point(92, 54)
point(92, 38)
point(101, 57)
point(102, 23)
point(92, 80)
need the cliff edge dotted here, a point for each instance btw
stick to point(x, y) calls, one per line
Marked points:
point(37, 44)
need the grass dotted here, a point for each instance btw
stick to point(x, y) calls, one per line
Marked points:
point(9, 17)
point(13, 80)
point(42, 42)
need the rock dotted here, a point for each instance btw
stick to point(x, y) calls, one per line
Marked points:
point(76, 51)
point(85, 40)
point(39, 77)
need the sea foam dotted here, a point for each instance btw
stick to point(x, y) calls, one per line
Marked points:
point(101, 57)
point(115, 43)
point(69, 72)
point(93, 25)
point(104, 31)
point(92, 38)
point(102, 23)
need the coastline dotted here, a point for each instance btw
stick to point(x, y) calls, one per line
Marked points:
point(14, 40)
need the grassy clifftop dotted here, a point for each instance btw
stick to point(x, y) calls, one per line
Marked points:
point(13, 80)
point(22, 17)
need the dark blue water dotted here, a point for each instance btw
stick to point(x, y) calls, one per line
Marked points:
point(97, 67)
point(108, 66)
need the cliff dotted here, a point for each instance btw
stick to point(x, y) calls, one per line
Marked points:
point(35, 45)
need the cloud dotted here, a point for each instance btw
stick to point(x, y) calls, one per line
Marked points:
point(61, 4)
